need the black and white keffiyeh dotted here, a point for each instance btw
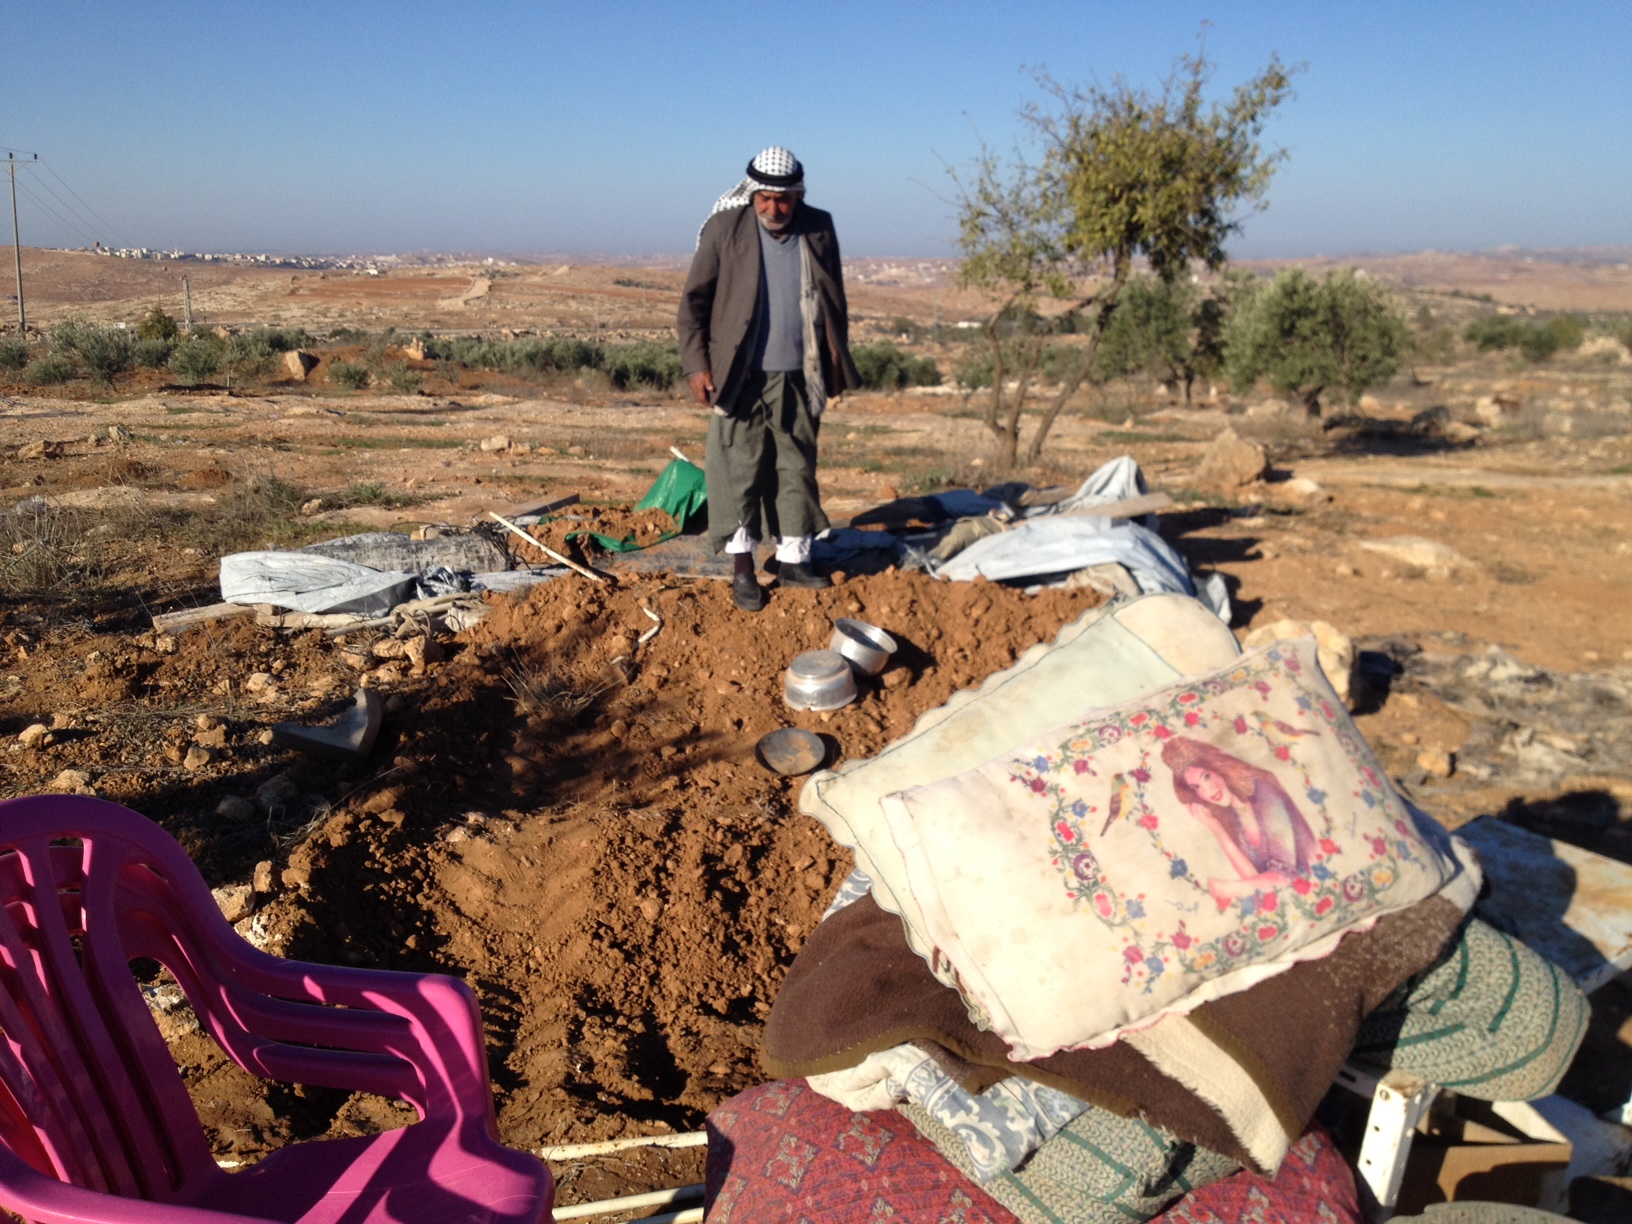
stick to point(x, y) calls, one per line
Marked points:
point(775, 169)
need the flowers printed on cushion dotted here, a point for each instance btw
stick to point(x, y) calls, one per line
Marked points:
point(1177, 869)
point(1065, 831)
point(1240, 725)
point(1086, 868)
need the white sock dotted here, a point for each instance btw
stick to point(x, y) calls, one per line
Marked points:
point(794, 550)
point(742, 542)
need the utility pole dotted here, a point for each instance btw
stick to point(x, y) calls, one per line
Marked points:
point(187, 303)
point(17, 246)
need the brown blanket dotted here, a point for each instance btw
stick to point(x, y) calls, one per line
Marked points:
point(857, 988)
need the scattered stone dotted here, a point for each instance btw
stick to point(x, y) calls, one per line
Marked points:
point(236, 901)
point(296, 876)
point(215, 737)
point(314, 506)
point(262, 880)
point(1433, 558)
point(276, 792)
point(37, 735)
point(197, 758)
point(652, 908)
point(414, 350)
point(1269, 408)
point(260, 682)
point(39, 450)
point(389, 648)
point(1344, 570)
point(1333, 648)
point(577, 452)
point(235, 807)
point(497, 442)
point(75, 781)
point(421, 650)
point(1231, 463)
point(1299, 491)
point(299, 364)
point(895, 678)
point(1460, 432)
point(1436, 761)
point(264, 738)
point(118, 433)
point(171, 1011)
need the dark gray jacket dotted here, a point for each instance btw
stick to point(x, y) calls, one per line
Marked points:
point(721, 298)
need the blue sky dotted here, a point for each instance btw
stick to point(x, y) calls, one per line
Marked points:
point(610, 127)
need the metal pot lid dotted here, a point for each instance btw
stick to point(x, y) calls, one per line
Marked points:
point(816, 666)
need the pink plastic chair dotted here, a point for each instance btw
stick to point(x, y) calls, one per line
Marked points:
point(95, 1123)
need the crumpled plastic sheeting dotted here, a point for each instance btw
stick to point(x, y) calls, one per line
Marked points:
point(310, 582)
point(840, 544)
point(1115, 481)
point(388, 550)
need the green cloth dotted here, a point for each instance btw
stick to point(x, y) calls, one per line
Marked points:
point(762, 463)
point(1100, 1169)
point(1492, 1020)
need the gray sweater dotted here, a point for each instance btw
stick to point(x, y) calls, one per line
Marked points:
point(780, 344)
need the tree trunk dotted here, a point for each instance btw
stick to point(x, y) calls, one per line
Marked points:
point(1101, 322)
point(1311, 400)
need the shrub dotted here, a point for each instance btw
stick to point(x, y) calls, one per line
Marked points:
point(278, 339)
point(1343, 331)
point(49, 370)
point(13, 353)
point(156, 325)
point(400, 378)
point(195, 359)
point(641, 365)
point(151, 352)
point(1537, 341)
point(353, 375)
point(883, 367)
point(103, 352)
point(249, 355)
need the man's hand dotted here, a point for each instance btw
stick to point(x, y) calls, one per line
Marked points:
point(702, 387)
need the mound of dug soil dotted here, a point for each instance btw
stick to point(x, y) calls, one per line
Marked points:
point(576, 824)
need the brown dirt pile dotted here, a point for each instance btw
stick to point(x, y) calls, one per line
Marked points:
point(577, 825)
point(572, 534)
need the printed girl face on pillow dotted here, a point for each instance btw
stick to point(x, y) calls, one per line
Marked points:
point(1174, 846)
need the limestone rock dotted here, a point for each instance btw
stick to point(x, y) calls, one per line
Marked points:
point(497, 442)
point(197, 758)
point(1230, 463)
point(299, 364)
point(75, 781)
point(236, 901)
point(1333, 648)
point(35, 736)
point(1269, 408)
point(213, 737)
point(1436, 761)
point(263, 876)
point(235, 807)
point(39, 450)
point(276, 792)
point(1433, 558)
point(311, 507)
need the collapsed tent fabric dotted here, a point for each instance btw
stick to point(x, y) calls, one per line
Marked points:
point(310, 582)
point(679, 489)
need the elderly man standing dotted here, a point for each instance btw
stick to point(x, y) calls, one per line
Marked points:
point(764, 340)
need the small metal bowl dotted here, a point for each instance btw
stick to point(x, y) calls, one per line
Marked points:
point(819, 680)
point(791, 751)
point(868, 647)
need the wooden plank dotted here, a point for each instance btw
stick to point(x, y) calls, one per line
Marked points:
point(186, 618)
point(1572, 906)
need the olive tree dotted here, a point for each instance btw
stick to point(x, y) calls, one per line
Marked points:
point(1171, 330)
point(1123, 173)
point(1343, 331)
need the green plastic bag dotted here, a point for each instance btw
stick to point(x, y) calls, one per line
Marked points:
point(679, 489)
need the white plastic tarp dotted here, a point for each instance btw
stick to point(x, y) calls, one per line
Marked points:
point(310, 582)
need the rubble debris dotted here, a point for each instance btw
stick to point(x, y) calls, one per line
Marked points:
point(1436, 560)
point(1231, 463)
point(1335, 649)
point(186, 618)
point(298, 364)
point(36, 735)
point(349, 736)
point(235, 901)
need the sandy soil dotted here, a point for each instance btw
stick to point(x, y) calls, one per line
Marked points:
point(576, 823)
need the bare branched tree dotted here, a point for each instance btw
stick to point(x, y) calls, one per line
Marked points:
point(1123, 173)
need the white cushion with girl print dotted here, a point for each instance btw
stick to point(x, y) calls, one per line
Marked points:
point(1141, 860)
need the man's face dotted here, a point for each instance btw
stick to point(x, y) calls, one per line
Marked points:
point(775, 209)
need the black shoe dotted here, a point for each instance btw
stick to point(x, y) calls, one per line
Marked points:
point(746, 592)
point(796, 575)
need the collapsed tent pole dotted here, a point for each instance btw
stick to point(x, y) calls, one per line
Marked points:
point(629, 1202)
point(573, 1151)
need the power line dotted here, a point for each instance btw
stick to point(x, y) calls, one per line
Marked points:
point(72, 227)
point(51, 170)
point(75, 213)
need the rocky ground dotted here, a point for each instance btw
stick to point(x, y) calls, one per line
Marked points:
point(576, 823)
